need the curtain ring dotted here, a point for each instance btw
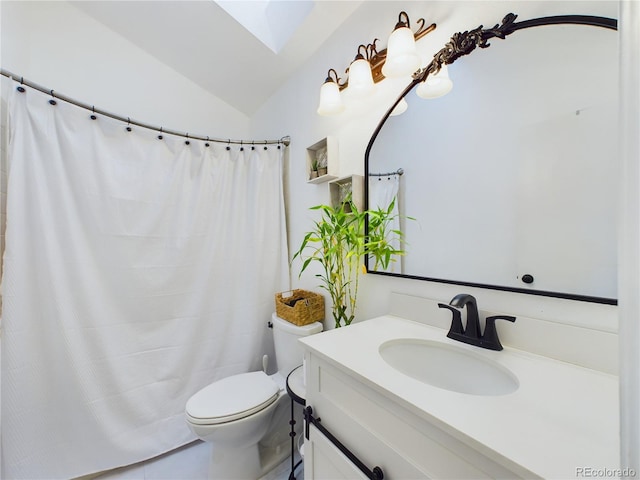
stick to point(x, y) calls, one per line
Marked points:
point(93, 115)
point(20, 88)
point(207, 143)
point(128, 124)
point(229, 144)
point(253, 146)
point(241, 147)
point(187, 142)
point(160, 136)
point(52, 101)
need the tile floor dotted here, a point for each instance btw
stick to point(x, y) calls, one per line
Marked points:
point(190, 462)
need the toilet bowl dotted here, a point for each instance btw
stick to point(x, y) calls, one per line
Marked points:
point(245, 417)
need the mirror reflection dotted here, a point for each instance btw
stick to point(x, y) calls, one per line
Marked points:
point(512, 176)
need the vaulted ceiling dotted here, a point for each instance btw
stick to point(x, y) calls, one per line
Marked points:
point(206, 44)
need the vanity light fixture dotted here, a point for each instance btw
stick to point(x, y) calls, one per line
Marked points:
point(370, 66)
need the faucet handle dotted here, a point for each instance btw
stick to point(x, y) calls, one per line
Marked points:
point(490, 337)
point(456, 320)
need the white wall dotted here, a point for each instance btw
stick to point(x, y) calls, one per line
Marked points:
point(292, 111)
point(56, 45)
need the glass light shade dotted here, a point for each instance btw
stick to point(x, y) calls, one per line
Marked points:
point(400, 108)
point(402, 57)
point(435, 85)
point(360, 79)
point(330, 99)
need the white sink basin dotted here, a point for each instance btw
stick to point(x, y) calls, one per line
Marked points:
point(448, 367)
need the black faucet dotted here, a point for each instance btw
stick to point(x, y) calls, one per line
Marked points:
point(471, 332)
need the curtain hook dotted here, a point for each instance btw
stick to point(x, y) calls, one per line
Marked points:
point(265, 144)
point(207, 143)
point(187, 142)
point(160, 136)
point(52, 101)
point(241, 147)
point(253, 146)
point(229, 144)
point(128, 124)
point(20, 87)
point(93, 115)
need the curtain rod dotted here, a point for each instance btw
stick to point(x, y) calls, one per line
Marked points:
point(400, 171)
point(286, 140)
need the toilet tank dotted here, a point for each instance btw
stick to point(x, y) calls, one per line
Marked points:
point(289, 352)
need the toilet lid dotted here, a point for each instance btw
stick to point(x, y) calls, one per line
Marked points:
point(232, 398)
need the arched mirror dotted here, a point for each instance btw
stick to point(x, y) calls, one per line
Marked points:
point(511, 177)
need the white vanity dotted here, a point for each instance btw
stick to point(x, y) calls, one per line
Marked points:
point(557, 421)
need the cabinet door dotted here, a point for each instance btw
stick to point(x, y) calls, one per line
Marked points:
point(323, 460)
point(381, 432)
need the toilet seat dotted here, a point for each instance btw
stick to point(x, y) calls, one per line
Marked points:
point(232, 398)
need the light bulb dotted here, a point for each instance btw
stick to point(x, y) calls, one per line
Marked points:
point(360, 79)
point(330, 98)
point(435, 85)
point(402, 56)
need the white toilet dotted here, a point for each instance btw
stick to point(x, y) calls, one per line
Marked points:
point(245, 417)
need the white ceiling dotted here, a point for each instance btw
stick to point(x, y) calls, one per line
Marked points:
point(204, 43)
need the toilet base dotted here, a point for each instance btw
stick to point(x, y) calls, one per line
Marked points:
point(272, 457)
point(247, 463)
point(235, 463)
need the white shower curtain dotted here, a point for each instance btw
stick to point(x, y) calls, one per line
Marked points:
point(136, 271)
point(383, 189)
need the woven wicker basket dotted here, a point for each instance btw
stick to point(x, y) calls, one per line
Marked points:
point(300, 307)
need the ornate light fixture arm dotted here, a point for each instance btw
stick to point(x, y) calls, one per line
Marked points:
point(341, 83)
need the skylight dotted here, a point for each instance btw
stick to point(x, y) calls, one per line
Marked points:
point(273, 22)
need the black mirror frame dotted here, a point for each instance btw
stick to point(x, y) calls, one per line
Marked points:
point(461, 44)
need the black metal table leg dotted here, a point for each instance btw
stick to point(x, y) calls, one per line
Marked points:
point(295, 389)
point(292, 434)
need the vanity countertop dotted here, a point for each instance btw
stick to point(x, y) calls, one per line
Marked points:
point(562, 421)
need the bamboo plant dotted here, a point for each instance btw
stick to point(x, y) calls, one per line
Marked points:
point(338, 243)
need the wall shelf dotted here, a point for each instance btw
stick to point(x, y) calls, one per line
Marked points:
point(322, 179)
point(326, 152)
point(341, 187)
